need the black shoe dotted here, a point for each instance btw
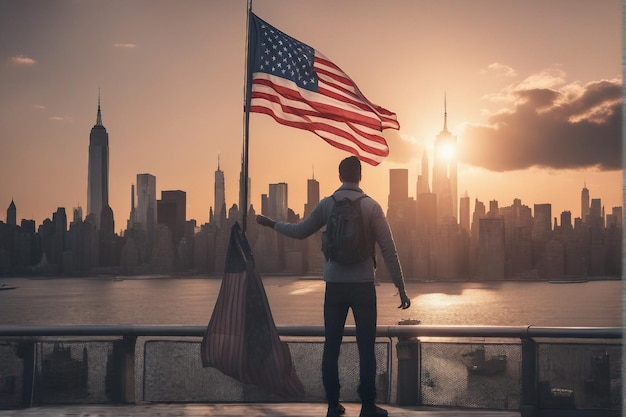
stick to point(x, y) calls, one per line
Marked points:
point(332, 412)
point(341, 409)
point(372, 411)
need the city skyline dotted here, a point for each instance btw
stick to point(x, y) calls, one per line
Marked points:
point(144, 190)
point(171, 100)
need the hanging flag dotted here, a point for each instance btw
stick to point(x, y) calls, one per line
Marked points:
point(299, 87)
point(241, 339)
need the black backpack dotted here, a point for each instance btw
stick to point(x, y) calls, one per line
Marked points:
point(344, 240)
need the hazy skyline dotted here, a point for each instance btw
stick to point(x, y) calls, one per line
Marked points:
point(533, 95)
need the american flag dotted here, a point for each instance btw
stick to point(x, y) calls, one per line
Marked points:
point(299, 87)
point(241, 339)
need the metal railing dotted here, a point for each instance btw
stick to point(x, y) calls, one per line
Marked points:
point(420, 377)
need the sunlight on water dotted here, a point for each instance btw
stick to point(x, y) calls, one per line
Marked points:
point(467, 297)
point(307, 287)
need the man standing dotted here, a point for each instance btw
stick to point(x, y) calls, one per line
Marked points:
point(350, 286)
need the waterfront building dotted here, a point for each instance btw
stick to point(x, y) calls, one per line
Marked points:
point(278, 201)
point(401, 217)
point(172, 212)
point(146, 203)
point(464, 213)
point(542, 222)
point(490, 256)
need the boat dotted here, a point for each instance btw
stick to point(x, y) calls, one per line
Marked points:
point(568, 281)
point(477, 364)
point(4, 287)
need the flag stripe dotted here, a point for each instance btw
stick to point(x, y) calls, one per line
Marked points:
point(368, 139)
point(330, 74)
point(299, 87)
point(321, 104)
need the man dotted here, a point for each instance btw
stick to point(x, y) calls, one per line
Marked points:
point(350, 286)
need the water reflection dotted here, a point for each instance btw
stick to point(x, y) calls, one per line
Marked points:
point(466, 296)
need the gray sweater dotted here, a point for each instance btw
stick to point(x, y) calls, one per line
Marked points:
point(376, 225)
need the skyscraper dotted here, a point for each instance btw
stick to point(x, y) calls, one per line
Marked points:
point(398, 186)
point(12, 214)
point(542, 222)
point(464, 212)
point(584, 203)
point(423, 180)
point(146, 212)
point(312, 195)
point(277, 201)
point(445, 171)
point(172, 211)
point(98, 170)
point(219, 196)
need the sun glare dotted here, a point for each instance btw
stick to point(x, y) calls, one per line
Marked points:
point(447, 152)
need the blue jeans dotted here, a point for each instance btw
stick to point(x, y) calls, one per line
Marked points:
point(361, 298)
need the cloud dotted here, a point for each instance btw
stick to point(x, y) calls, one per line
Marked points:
point(39, 106)
point(401, 148)
point(124, 45)
point(22, 60)
point(60, 118)
point(551, 125)
point(499, 69)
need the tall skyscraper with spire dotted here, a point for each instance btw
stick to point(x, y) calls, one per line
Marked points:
point(98, 170)
point(445, 172)
point(12, 214)
point(584, 203)
point(219, 196)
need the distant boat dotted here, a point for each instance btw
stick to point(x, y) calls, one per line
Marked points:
point(568, 281)
point(477, 364)
point(4, 287)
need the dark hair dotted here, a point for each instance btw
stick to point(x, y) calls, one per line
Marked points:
point(350, 170)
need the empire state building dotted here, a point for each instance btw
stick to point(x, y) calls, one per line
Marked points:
point(98, 171)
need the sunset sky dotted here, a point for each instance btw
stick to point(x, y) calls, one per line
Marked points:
point(533, 93)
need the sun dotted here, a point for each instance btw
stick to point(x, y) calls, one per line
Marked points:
point(447, 151)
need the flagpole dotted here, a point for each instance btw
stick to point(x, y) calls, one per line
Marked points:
point(246, 124)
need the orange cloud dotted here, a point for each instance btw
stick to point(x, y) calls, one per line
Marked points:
point(564, 127)
point(23, 60)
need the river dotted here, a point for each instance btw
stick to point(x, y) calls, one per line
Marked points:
point(298, 301)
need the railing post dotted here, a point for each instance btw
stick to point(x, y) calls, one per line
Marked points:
point(529, 378)
point(408, 350)
point(26, 350)
point(128, 373)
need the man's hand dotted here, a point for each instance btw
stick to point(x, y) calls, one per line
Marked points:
point(405, 300)
point(265, 221)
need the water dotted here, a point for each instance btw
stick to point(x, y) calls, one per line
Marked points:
point(298, 301)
